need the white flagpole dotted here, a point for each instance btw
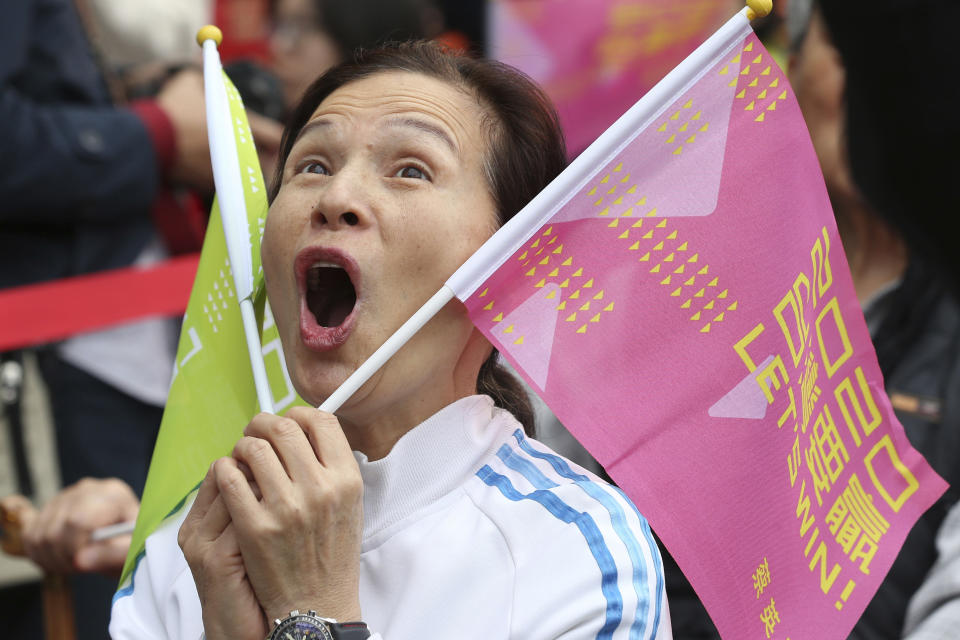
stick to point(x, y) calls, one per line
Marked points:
point(233, 211)
point(518, 229)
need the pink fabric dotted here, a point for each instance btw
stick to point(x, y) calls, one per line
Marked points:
point(784, 510)
point(594, 57)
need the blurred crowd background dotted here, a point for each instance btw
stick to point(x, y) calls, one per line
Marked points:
point(104, 164)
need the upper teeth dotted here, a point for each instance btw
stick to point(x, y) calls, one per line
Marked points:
point(317, 265)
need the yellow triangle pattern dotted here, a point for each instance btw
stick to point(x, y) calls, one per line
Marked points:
point(498, 317)
point(582, 329)
point(489, 306)
point(518, 340)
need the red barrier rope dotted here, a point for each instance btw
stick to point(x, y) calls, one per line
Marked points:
point(50, 311)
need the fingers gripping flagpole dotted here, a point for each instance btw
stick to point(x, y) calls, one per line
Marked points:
point(505, 241)
point(226, 177)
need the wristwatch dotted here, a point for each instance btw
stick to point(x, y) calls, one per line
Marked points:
point(310, 626)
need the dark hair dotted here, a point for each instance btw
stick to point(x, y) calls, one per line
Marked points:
point(369, 23)
point(525, 152)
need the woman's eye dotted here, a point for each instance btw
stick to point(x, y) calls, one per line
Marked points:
point(314, 167)
point(412, 172)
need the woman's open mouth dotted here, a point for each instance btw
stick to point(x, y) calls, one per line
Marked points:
point(328, 296)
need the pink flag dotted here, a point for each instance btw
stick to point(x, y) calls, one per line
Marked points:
point(687, 311)
point(594, 57)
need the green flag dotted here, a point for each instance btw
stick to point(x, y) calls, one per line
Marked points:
point(212, 396)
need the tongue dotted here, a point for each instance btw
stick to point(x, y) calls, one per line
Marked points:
point(330, 296)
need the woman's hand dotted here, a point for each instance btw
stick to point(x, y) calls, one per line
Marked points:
point(57, 537)
point(209, 543)
point(300, 542)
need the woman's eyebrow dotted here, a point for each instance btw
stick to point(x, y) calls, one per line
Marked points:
point(426, 127)
point(318, 123)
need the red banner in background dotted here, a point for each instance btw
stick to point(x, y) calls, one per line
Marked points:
point(595, 58)
point(55, 310)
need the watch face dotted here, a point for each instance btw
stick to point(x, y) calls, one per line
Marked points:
point(302, 627)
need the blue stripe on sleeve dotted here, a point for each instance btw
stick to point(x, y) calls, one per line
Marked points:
point(585, 523)
point(524, 467)
point(618, 518)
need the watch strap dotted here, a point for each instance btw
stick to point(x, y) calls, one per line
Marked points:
point(349, 630)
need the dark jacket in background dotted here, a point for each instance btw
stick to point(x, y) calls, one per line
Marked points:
point(77, 175)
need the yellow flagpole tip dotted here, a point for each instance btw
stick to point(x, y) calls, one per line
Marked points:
point(209, 32)
point(759, 8)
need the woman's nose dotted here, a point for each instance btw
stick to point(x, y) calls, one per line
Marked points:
point(341, 204)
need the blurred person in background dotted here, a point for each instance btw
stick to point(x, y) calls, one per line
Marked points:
point(901, 132)
point(310, 36)
point(86, 185)
point(913, 318)
point(900, 274)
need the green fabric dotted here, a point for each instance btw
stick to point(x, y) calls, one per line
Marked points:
point(212, 397)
